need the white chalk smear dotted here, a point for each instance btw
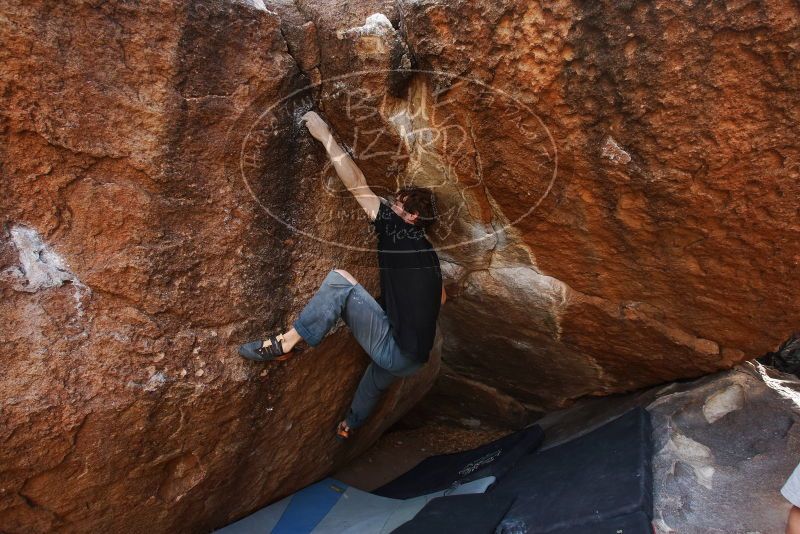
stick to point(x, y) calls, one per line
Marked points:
point(40, 267)
point(613, 151)
point(258, 4)
point(376, 24)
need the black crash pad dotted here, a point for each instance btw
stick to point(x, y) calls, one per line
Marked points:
point(637, 523)
point(465, 514)
point(440, 472)
point(602, 475)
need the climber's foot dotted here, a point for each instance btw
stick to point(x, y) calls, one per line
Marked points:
point(343, 431)
point(274, 348)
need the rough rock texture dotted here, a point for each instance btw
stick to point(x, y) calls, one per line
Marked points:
point(724, 446)
point(668, 244)
point(134, 260)
point(617, 181)
point(457, 401)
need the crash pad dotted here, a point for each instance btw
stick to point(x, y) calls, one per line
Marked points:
point(603, 474)
point(445, 470)
point(332, 507)
point(465, 514)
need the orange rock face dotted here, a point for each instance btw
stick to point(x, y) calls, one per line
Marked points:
point(135, 258)
point(667, 246)
point(618, 186)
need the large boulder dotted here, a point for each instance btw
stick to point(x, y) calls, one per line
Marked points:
point(617, 183)
point(659, 143)
point(136, 257)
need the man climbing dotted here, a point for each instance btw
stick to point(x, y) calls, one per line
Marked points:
point(398, 332)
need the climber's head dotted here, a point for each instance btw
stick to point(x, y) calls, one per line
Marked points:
point(418, 205)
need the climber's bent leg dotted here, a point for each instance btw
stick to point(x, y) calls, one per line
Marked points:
point(375, 381)
point(324, 308)
point(346, 275)
point(340, 295)
point(370, 326)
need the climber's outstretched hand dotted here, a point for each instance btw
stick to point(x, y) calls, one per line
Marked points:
point(316, 126)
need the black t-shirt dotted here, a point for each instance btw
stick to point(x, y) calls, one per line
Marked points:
point(411, 282)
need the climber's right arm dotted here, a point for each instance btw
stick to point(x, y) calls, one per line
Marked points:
point(351, 176)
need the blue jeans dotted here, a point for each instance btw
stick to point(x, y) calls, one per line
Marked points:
point(336, 298)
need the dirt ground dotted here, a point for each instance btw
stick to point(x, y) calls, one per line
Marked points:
point(401, 449)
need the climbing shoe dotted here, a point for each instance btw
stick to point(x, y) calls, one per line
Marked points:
point(343, 431)
point(259, 352)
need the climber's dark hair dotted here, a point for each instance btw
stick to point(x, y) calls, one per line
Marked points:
point(419, 200)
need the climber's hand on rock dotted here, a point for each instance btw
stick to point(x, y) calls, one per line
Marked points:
point(316, 126)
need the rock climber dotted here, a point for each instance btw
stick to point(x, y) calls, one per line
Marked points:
point(398, 332)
